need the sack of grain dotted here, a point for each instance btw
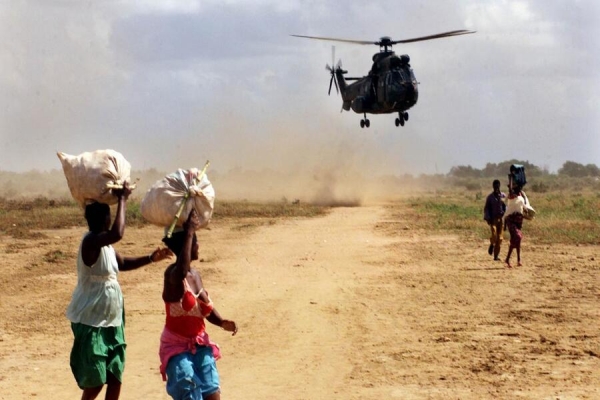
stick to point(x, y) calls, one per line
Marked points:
point(162, 201)
point(91, 175)
point(528, 211)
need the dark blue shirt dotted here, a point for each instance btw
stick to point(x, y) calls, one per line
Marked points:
point(494, 206)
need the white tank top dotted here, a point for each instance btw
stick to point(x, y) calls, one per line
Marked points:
point(97, 299)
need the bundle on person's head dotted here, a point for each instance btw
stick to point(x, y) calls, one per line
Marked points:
point(170, 200)
point(516, 176)
point(92, 176)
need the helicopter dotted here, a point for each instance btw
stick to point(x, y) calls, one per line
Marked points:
point(390, 86)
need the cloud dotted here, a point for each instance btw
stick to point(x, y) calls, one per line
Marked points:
point(57, 69)
point(172, 82)
point(161, 6)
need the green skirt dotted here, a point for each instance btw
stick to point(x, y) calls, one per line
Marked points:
point(97, 351)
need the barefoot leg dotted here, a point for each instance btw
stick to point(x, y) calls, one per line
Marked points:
point(507, 261)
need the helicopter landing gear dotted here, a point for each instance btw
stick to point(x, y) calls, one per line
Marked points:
point(402, 117)
point(365, 122)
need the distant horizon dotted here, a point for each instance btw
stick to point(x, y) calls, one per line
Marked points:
point(267, 168)
point(329, 186)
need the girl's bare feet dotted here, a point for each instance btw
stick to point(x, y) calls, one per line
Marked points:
point(519, 264)
point(507, 263)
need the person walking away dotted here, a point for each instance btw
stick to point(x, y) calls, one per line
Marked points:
point(513, 222)
point(96, 309)
point(187, 355)
point(493, 211)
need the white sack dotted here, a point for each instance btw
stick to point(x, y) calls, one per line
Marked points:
point(161, 202)
point(89, 175)
point(528, 211)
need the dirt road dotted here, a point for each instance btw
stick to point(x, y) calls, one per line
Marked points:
point(352, 305)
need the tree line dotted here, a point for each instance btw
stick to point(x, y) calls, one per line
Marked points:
point(569, 169)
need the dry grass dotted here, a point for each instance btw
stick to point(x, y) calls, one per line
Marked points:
point(562, 217)
point(25, 219)
point(245, 209)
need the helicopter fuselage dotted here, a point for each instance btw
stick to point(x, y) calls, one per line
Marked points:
point(389, 87)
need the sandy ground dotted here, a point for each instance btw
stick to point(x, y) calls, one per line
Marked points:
point(353, 305)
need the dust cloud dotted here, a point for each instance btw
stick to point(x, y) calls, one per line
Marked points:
point(287, 166)
point(316, 162)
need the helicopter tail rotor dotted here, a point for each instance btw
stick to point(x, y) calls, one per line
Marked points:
point(332, 81)
point(332, 70)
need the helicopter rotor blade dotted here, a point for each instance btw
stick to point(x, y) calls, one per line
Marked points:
point(337, 89)
point(391, 42)
point(336, 39)
point(436, 36)
point(330, 82)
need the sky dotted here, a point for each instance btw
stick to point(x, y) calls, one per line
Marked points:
point(173, 83)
